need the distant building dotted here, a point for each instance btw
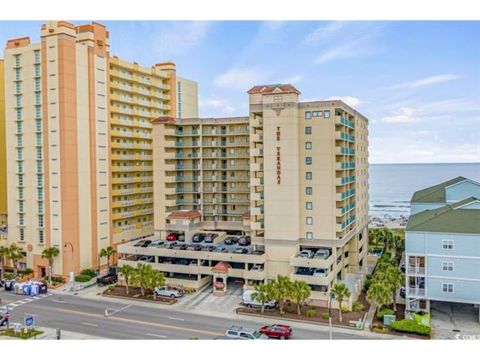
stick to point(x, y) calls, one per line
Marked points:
point(187, 98)
point(442, 249)
point(3, 151)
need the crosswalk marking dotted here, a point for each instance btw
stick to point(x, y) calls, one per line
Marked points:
point(23, 301)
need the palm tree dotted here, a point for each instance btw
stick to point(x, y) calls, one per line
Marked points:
point(386, 237)
point(156, 279)
point(395, 279)
point(50, 254)
point(3, 254)
point(341, 292)
point(107, 253)
point(282, 290)
point(379, 294)
point(399, 246)
point(300, 292)
point(142, 276)
point(14, 253)
point(128, 272)
point(264, 293)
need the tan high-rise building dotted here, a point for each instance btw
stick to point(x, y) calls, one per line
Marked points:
point(292, 177)
point(3, 152)
point(79, 144)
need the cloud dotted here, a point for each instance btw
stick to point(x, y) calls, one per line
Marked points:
point(240, 78)
point(349, 100)
point(431, 80)
point(182, 36)
point(325, 32)
point(295, 79)
point(215, 103)
point(404, 115)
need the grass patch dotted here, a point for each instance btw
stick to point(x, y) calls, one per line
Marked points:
point(21, 335)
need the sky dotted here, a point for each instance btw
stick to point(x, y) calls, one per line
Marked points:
point(418, 82)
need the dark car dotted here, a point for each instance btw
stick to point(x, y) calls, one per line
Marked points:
point(183, 261)
point(258, 252)
point(179, 246)
point(194, 248)
point(240, 251)
point(110, 278)
point(143, 243)
point(277, 331)
point(172, 237)
point(198, 238)
point(209, 248)
point(220, 249)
point(170, 245)
point(245, 241)
point(305, 271)
point(230, 240)
point(168, 261)
point(208, 238)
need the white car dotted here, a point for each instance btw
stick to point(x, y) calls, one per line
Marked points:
point(236, 332)
point(306, 254)
point(320, 272)
point(322, 254)
point(257, 267)
point(168, 292)
point(249, 302)
point(147, 258)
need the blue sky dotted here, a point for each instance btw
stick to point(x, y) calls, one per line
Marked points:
point(417, 82)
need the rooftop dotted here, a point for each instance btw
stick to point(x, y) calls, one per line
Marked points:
point(273, 88)
point(452, 218)
point(435, 194)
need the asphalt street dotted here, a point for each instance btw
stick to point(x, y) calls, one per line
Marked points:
point(87, 316)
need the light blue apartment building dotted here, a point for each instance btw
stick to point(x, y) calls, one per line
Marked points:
point(442, 247)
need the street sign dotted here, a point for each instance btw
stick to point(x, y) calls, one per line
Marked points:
point(29, 322)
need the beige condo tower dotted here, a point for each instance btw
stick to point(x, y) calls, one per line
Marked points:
point(292, 175)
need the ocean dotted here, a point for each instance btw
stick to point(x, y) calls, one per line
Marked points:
point(392, 185)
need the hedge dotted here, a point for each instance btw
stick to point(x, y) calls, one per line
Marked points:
point(83, 278)
point(410, 326)
point(90, 272)
point(384, 311)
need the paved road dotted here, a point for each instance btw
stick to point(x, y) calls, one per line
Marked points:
point(87, 316)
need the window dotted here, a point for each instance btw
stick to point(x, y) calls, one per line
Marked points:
point(308, 190)
point(308, 175)
point(447, 288)
point(447, 265)
point(309, 205)
point(326, 114)
point(309, 220)
point(308, 115)
point(309, 236)
point(308, 145)
point(308, 160)
point(447, 244)
point(308, 130)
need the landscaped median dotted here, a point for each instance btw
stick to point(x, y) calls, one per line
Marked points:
point(23, 334)
point(135, 293)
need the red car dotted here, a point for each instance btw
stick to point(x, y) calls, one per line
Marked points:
point(172, 237)
point(277, 331)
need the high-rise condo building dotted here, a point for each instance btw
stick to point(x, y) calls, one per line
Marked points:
point(79, 144)
point(3, 152)
point(292, 178)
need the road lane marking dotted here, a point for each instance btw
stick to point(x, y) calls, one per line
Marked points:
point(89, 324)
point(174, 318)
point(141, 322)
point(157, 335)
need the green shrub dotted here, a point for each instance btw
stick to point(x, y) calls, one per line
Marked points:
point(25, 272)
point(90, 272)
point(311, 312)
point(345, 309)
point(82, 278)
point(58, 279)
point(384, 311)
point(367, 284)
point(325, 316)
point(358, 306)
point(410, 326)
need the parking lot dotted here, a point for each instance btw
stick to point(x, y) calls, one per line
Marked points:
point(454, 320)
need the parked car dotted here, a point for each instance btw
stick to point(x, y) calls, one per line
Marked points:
point(305, 271)
point(277, 331)
point(170, 245)
point(257, 267)
point(220, 249)
point(208, 238)
point(247, 300)
point(168, 260)
point(403, 292)
point(143, 243)
point(240, 251)
point(245, 241)
point(158, 243)
point(194, 248)
point(172, 237)
point(183, 261)
point(322, 254)
point(179, 246)
point(147, 258)
point(230, 240)
point(193, 262)
point(198, 237)
point(169, 292)
point(241, 332)
point(306, 254)
point(209, 248)
point(258, 252)
point(181, 237)
point(320, 272)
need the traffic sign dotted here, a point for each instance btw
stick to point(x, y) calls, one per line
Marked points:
point(29, 321)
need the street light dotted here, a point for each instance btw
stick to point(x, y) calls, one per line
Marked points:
point(69, 243)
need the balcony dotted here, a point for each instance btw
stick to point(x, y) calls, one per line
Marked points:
point(340, 150)
point(256, 122)
point(415, 270)
point(311, 263)
point(345, 180)
point(345, 195)
point(314, 280)
point(256, 152)
point(345, 166)
point(256, 167)
point(415, 291)
point(344, 209)
point(340, 135)
point(256, 137)
point(340, 120)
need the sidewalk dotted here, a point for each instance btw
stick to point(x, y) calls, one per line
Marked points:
point(51, 334)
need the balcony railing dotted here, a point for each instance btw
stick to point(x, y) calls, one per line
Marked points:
point(415, 291)
point(416, 270)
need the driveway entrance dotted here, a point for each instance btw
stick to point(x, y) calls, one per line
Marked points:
point(454, 320)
